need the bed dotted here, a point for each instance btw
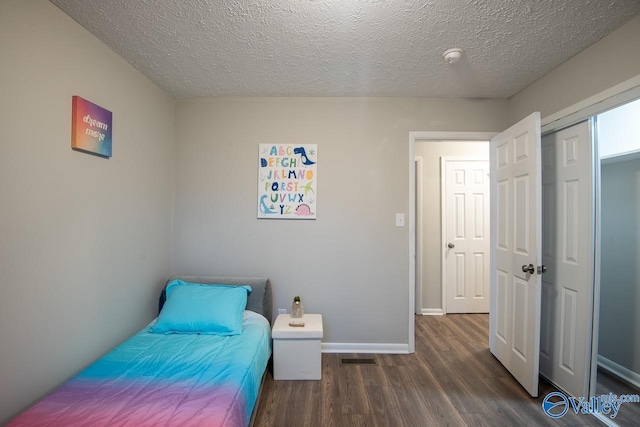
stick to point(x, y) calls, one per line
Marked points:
point(199, 363)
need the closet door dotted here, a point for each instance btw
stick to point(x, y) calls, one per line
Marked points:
point(568, 235)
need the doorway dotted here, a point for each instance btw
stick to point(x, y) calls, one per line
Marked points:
point(430, 147)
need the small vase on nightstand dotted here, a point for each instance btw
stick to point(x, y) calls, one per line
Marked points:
point(297, 312)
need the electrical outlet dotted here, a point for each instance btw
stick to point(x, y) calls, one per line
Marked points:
point(282, 311)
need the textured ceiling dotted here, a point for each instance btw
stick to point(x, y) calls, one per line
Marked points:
point(347, 47)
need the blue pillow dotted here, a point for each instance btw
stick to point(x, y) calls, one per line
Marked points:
point(177, 282)
point(202, 309)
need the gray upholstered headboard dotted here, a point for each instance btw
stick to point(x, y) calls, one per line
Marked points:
point(259, 300)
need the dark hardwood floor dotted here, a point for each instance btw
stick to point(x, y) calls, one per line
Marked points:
point(629, 414)
point(451, 379)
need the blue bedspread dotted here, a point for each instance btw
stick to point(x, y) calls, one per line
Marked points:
point(164, 380)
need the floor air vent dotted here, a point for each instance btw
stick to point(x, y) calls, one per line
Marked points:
point(362, 361)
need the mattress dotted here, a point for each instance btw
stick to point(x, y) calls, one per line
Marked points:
point(164, 380)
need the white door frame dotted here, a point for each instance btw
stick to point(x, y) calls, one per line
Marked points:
point(443, 217)
point(418, 252)
point(425, 136)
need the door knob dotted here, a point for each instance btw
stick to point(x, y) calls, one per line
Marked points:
point(451, 246)
point(528, 269)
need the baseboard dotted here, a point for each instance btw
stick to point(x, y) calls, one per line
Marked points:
point(619, 370)
point(432, 312)
point(339, 347)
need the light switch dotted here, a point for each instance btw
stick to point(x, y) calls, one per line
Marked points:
point(399, 220)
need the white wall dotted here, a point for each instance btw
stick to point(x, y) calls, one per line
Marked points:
point(84, 241)
point(612, 60)
point(352, 263)
point(431, 152)
point(620, 270)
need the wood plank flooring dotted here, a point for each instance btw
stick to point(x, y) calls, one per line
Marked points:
point(451, 380)
point(629, 414)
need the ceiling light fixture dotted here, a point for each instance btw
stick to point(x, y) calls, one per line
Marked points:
point(452, 55)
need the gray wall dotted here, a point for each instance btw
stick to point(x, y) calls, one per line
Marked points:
point(84, 241)
point(620, 277)
point(610, 61)
point(431, 152)
point(352, 263)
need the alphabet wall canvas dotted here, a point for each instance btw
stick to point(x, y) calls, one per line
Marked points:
point(287, 181)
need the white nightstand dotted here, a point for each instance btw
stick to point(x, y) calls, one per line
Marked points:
point(297, 350)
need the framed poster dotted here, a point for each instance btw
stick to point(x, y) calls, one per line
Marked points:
point(90, 128)
point(287, 181)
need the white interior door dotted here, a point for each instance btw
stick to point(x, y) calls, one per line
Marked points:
point(568, 204)
point(516, 234)
point(466, 236)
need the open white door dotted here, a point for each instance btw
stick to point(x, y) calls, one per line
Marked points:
point(516, 235)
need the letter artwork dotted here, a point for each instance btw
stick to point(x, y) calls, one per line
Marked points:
point(287, 181)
